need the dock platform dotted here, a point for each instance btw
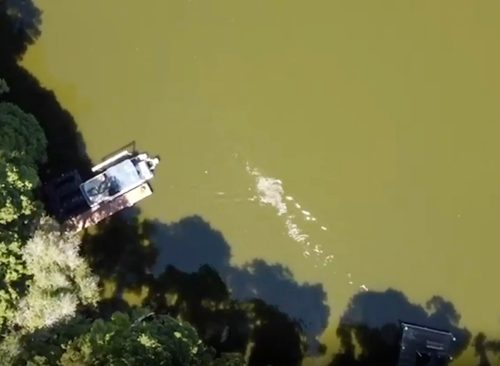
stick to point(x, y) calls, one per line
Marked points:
point(93, 216)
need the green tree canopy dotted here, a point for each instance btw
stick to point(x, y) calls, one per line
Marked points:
point(21, 135)
point(13, 274)
point(61, 278)
point(17, 201)
point(43, 284)
point(22, 147)
point(124, 340)
point(43, 281)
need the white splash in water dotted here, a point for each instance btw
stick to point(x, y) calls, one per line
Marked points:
point(328, 259)
point(294, 231)
point(270, 192)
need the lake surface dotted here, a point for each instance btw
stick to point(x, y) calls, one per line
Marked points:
point(355, 143)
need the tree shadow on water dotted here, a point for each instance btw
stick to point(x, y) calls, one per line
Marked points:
point(192, 242)
point(183, 269)
point(188, 245)
point(483, 347)
point(275, 284)
point(269, 336)
point(203, 299)
point(118, 250)
point(20, 22)
point(372, 320)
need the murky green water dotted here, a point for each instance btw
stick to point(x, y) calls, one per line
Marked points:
point(380, 119)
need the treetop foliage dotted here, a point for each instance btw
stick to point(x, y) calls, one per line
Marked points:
point(21, 136)
point(22, 148)
point(61, 279)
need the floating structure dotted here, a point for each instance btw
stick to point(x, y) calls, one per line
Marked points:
point(422, 345)
point(118, 182)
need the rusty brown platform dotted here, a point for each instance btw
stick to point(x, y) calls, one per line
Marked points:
point(93, 216)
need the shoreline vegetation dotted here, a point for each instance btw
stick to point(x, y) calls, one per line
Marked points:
point(101, 298)
point(49, 293)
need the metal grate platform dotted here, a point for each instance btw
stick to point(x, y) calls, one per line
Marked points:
point(423, 346)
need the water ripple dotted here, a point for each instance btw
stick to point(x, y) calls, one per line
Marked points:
point(270, 191)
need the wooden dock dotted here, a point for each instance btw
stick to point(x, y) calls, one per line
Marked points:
point(93, 216)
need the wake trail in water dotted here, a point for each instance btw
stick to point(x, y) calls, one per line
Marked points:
point(270, 191)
